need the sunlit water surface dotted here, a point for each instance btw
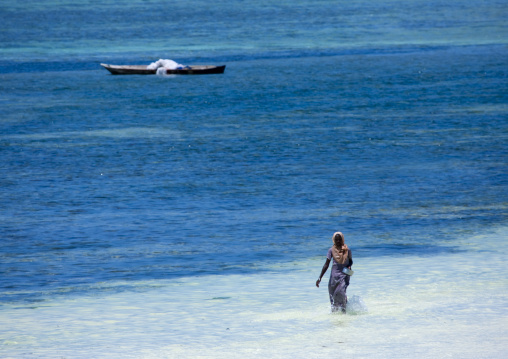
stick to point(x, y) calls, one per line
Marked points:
point(189, 217)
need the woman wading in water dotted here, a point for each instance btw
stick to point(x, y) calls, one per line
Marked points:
point(339, 281)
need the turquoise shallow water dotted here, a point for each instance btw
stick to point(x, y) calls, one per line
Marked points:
point(386, 120)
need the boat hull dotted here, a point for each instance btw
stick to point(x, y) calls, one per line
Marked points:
point(143, 70)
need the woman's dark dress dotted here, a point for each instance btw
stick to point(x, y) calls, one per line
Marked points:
point(338, 283)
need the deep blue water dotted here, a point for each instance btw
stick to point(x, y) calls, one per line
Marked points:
point(351, 116)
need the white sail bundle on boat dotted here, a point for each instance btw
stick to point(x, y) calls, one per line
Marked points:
point(165, 63)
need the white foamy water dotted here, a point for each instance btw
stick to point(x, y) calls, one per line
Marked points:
point(438, 306)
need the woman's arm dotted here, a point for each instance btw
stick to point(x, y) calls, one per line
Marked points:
point(323, 271)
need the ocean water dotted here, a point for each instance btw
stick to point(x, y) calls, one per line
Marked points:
point(190, 216)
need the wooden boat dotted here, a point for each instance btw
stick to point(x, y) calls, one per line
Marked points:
point(144, 70)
